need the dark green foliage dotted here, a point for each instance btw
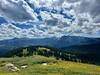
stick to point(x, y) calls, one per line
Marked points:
point(58, 54)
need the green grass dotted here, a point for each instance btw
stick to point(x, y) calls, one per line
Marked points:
point(54, 67)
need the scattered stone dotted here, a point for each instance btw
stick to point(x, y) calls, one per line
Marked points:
point(44, 64)
point(11, 67)
point(24, 66)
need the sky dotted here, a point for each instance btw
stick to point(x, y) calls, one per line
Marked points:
point(49, 18)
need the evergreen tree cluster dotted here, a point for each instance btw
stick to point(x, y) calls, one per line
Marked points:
point(56, 53)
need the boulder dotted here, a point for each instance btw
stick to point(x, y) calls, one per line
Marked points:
point(11, 67)
point(44, 64)
point(24, 66)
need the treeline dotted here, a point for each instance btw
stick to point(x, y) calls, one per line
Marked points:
point(53, 52)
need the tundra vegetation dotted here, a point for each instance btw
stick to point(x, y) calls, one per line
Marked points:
point(39, 60)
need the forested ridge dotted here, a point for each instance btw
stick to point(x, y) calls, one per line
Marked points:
point(59, 54)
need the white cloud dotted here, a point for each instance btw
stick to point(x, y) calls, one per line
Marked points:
point(16, 10)
point(83, 18)
point(92, 7)
point(87, 13)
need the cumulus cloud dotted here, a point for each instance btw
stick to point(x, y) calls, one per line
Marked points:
point(90, 7)
point(87, 13)
point(8, 31)
point(16, 10)
point(58, 18)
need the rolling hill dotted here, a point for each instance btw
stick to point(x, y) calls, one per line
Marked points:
point(53, 67)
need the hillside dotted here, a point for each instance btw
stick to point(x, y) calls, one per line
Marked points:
point(53, 67)
point(76, 54)
point(89, 48)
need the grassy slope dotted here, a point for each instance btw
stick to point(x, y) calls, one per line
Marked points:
point(54, 67)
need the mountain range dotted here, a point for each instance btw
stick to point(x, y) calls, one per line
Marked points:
point(64, 42)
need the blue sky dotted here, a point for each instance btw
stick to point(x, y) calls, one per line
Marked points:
point(2, 20)
point(49, 18)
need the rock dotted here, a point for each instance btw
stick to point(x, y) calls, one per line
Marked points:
point(11, 67)
point(24, 66)
point(44, 64)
